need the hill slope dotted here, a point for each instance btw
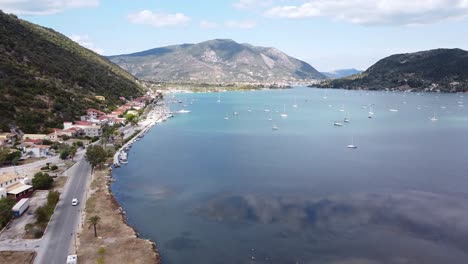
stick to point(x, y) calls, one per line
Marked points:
point(45, 77)
point(443, 70)
point(216, 61)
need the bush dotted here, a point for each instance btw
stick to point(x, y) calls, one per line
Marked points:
point(38, 233)
point(6, 204)
point(53, 168)
point(45, 168)
point(42, 181)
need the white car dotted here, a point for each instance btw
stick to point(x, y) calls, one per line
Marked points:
point(74, 201)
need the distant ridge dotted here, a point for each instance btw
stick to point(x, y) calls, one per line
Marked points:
point(341, 73)
point(216, 61)
point(444, 70)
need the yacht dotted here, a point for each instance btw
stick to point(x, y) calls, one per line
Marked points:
point(274, 127)
point(393, 110)
point(183, 111)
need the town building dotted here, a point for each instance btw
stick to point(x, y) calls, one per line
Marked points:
point(7, 139)
point(15, 187)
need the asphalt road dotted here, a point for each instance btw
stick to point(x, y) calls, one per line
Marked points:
point(59, 238)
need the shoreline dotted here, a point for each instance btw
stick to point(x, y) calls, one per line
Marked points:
point(100, 185)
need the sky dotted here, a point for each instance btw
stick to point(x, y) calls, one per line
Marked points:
point(328, 34)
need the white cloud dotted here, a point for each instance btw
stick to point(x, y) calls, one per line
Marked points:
point(207, 24)
point(247, 24)
point(245, 4)
point(43, 7)
point(372, 12)
point(86, 42)
point(156, 19)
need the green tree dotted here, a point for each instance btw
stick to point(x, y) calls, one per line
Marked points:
point(132, 119)
point(4, 151)
point(95, 155)
point(93, 221)
point(64, 153)
point(72, 151)
point(6, 204)
point(42, 181)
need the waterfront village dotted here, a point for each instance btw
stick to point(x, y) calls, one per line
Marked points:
point(25, 156)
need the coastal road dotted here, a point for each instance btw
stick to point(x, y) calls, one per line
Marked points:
point(59, 238)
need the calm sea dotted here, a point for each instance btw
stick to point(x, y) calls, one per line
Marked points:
point(210, 190)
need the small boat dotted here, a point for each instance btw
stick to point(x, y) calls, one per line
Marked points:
point(352, 146)
point(274, 127)
point(266, 110)
point(393, 110)
point(183, 111)
point(434, 118)
point(338, 124)
point(235, 113)
point(226, 118)
point(346, 119)
point(284, 115)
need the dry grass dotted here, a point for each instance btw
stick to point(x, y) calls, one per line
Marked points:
point(59, 182)
point(119, 242)
point(17, 257)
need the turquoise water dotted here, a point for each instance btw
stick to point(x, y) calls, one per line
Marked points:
point(210, 190)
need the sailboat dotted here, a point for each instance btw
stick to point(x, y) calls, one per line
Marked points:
point(219, 98)
point(226, 117)
point(393, 110)
point(275, 127)
point(434, 118)
point(346, 119)
point(352, 146)
point(371, 112)
point(342, 108)
point(295, 102)
point(284, 115)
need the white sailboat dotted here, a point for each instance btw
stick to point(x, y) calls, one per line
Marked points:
point(284, 115)
point(434, 118)
point(219, 98)
point(226, 117)
point(275, 127)
point(295, 102)
point(346, 118)
point(371, 112)
point(393, 109)
point(342, 108)
point(352, 146)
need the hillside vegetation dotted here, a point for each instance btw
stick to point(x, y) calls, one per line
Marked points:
point(46, 78)
point(444, 70)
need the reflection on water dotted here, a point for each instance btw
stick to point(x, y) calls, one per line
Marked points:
point(210, 190)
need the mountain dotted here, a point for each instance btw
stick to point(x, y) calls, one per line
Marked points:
point(341, 73)
point(216, 61)
point(444, 70)
point(46, 78)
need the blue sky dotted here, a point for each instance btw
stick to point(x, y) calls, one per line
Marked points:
point(328, 34)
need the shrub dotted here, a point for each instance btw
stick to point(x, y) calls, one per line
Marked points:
point(42, 181)
point(53, 168)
